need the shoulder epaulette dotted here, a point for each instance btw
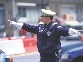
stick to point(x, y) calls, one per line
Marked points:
point(54, 23)
point(41, 23)
point(59, 26)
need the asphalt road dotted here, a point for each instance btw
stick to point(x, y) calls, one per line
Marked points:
point(36, 57)
point(27, 58)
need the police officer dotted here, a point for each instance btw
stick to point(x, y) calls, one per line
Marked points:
point(48, 35)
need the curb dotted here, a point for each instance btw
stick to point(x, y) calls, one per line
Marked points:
point(24, 54)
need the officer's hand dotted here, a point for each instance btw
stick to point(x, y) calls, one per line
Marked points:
point(12, 23)
point(18, 25)
point(73, 31)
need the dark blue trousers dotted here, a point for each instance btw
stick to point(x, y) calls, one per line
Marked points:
point(47, 58)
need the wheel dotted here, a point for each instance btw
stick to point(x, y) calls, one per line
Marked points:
point(78, 60)
point(7, 59)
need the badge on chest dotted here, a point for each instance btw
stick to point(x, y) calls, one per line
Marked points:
point(45, 31)
point(49, 33)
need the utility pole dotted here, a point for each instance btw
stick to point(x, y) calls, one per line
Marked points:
point(14, 17)
point(14, 9)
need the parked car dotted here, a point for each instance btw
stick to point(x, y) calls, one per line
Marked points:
point(63, 38)
point(73, 55)
point(4, 57)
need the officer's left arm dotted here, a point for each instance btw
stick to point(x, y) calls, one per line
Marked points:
point(67, 31)
point(63, 31)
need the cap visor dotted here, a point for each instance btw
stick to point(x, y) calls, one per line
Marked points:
point(42, 16)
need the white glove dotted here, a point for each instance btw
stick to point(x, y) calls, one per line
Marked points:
point(73, 31)
point(12, 23)
point(18, 25)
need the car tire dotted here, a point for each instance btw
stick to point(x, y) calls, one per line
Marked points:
point(7, 59)
point(78, 59)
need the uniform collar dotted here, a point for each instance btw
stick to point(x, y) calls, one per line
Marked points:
point(46, 26)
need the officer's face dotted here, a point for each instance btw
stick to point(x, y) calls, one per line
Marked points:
point(45, 20)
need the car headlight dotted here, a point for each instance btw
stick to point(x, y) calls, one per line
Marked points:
point(64, 56)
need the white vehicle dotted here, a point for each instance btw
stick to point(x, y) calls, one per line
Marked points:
point(4, 57)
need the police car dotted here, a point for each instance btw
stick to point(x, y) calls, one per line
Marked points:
point(73, 55)
point(4, 57)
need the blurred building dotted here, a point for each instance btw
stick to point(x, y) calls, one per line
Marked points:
point(27, 11)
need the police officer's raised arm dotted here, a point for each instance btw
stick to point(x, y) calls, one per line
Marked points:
point(26, 27)
point(67, 31)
